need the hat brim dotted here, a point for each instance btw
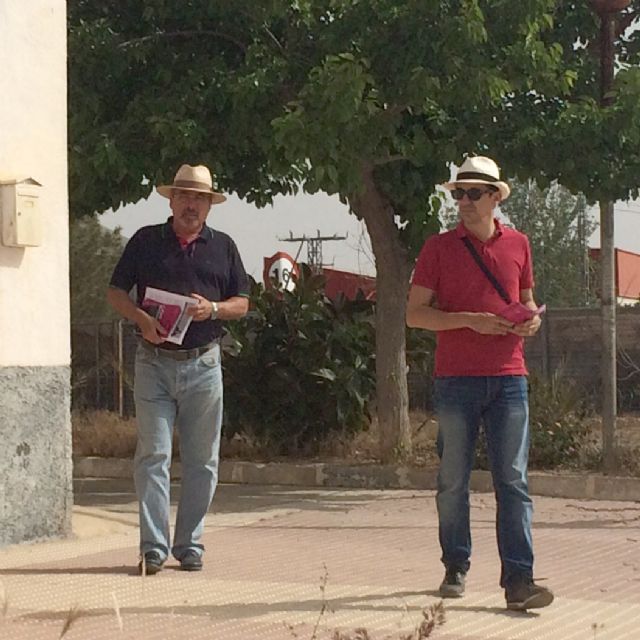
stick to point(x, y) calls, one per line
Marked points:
point(166, 189)
point(502, 187)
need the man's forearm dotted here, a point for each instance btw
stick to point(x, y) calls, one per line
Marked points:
point(427, 317)
point(233, 308)
point(123, 304)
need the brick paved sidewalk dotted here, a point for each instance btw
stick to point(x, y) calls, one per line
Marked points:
point(277, 557)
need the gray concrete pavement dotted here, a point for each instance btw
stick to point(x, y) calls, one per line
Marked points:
point(281, 560)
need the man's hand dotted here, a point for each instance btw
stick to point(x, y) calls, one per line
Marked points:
point(528, 328)
point(490, 324)
point(152, 331)
point(200, 311)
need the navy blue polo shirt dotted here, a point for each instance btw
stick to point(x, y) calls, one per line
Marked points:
point(209, 266)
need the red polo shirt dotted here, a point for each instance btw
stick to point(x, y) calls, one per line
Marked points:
point(446, 267)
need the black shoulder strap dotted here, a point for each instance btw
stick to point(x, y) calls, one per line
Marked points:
point(492, 279)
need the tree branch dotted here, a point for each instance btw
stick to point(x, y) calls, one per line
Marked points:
point(274, 39)
point(389, 159)
point(628, 362)
point(183, 34)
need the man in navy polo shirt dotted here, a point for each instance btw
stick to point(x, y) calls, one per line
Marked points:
point(480, 375)
point(179, 385)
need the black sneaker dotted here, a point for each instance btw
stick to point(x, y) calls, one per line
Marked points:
point(523, 593)
point(151, 564)
point(453, 584)
point(191, 561)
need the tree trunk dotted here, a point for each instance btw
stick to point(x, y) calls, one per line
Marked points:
point(392, 286)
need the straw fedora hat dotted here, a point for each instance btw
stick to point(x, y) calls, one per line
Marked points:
point(190, 178)
point(479, 169)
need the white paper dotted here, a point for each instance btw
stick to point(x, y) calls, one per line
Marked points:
point(169, 309)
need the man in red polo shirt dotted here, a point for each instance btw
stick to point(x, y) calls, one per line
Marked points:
point(473, 287)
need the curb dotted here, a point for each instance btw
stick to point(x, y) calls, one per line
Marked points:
point(114, 475)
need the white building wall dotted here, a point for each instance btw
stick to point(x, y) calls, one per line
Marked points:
point(35, 457)
point(34, 283)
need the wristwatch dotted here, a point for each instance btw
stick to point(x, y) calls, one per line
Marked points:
point(214, 310)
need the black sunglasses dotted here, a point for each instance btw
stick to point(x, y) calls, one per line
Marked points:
point(474, 194)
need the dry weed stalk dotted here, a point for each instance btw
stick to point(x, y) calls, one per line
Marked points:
point(360, 634)
point(116, 608)
point(434, 616)
point(291, 629)
point(4, 600)
point(74, 613)
point(323, 586)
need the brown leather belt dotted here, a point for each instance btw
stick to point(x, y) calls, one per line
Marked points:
point(177, 354)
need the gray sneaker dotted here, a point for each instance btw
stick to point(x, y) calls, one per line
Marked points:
point(523, 593)
point(453, 583)
point(191, 561)
point(151, 564)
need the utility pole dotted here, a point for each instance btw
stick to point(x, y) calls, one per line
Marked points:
point(585, 283)
point(607, 11)
point(314, 247)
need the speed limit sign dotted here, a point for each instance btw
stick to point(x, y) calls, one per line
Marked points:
point(278, 270)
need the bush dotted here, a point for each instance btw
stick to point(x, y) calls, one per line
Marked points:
point(559, 425)
point(559, 414)
point(300, 368)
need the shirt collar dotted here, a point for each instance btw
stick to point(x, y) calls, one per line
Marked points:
point(206, 233)
point(462, 232)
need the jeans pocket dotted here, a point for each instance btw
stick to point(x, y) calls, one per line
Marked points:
point(210, 359)
point(143, 355)
point(442, 391)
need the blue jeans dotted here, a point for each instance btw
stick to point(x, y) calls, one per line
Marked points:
point(187, 394)
point(500, 403)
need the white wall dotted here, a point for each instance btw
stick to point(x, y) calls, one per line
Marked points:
point(34, 282)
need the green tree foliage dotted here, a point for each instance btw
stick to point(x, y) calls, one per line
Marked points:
point(370, 100)
point(557, 225)
point(93, 253)
point(301, 367)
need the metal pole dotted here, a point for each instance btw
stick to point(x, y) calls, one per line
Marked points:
point(97, 368)
point(544, 343)
point(120, 370)
point(608, 267)
point(609, 348)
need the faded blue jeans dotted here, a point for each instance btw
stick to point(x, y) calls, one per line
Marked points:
point(501, 404)
point(186, 394)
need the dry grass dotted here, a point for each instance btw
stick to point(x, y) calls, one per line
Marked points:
point(364, 447)
point(432, 617)
point(104, 434)
point(116, 609)
point(74, 613)
point(4, 600)
point(323, 589)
